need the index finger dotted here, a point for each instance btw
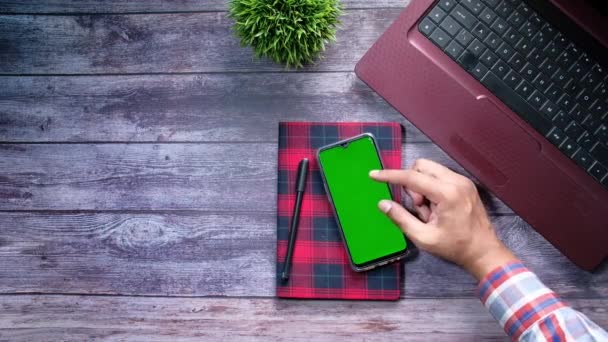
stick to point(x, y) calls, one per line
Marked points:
point(427, 185)
point(434, 169)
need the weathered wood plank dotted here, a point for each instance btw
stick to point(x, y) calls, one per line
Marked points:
point(218, 254)
point(201, 108)
point(192, 319)
point(150, 6)
point(155, 176)
point(160, 319)
point(176, 42)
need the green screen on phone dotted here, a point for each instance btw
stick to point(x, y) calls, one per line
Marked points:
point(370, 235)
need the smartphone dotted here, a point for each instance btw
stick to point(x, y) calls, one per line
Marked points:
point(370, 237)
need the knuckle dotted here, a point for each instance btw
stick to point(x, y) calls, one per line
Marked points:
point(418, 163)
point(451, 192)
point(469, 186)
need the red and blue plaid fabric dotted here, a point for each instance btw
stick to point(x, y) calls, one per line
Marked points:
point(529, 311)
point(320, 265)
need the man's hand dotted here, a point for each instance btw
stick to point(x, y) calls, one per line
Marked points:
point(453, 222)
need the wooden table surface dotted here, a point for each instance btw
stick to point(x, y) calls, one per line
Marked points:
point(138, 153)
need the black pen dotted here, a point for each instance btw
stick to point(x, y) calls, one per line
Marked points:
point(295, 218)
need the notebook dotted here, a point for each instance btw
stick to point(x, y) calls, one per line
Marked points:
point(320, 265)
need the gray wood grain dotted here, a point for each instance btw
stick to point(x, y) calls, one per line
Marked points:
point(218, 254)
point(201, 108)
point(167, 43)
point(214, 176)
point(161, 319)
point(150, 6)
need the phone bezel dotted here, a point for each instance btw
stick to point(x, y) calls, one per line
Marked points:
point(373, 263)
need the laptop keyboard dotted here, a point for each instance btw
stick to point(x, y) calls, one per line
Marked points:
point(534, 69)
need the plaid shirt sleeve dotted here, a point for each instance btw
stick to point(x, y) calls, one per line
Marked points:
point(529, 311)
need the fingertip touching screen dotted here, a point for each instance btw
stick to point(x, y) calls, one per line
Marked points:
point(370, 235)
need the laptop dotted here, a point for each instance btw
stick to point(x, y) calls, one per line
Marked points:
point(516, 92)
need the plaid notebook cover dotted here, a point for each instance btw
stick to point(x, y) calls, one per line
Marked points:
point(320, 266)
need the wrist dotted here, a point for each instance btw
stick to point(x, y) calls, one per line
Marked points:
point(494, 257)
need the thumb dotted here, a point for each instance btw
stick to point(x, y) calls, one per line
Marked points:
point(415, 229)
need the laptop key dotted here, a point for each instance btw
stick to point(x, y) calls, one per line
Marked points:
point(585, 99)
point(548, 67)
point(523, 46)
point(504, 9)
point(464, 37)
point(591, 79)
point(516, 19)
point(565, 59)
point(488, 58)
point(561, 78)
point(517, 61)
point(592, 123)
point(501, 69)
point(578, 70)
point(464, 17)
point(548, 30)
point(583, 159)
point(499, 26)
point(573, 88)
point(587, 140)
point(454, 49)
point(450, 26)
point(479, 71)
point(601, 90)
point(602, 134)
point(569, 147)
point(552, 50)
point(537, 21)
point(574, 130)
point(493, 41)
point(599, 109)
point(426, 26)
point(598, 171)
point(577, 113)
point(512, 36)
point(467, 60)
point(529, 72)
point(561, 120)
point(536, 57)
point(505, 51)
point(447, 5)
point(537, 99)
point(600, 152)
point(440, 38)
point(481, 31)
point(437, 14)
point(566, 102)
point(488, 16)
point(541, 81)
point(516, 103)
point(476, 48)
point(527, 29)
point(540, 40)
point(553, 93)
point(475, 6)
point(512, 79)
point(524, 89)
point(549, 110)
point(556, 136)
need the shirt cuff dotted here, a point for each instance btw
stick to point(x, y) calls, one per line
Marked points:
point(516, 298)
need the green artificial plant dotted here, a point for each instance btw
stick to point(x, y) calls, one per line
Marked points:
point(290, 32)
